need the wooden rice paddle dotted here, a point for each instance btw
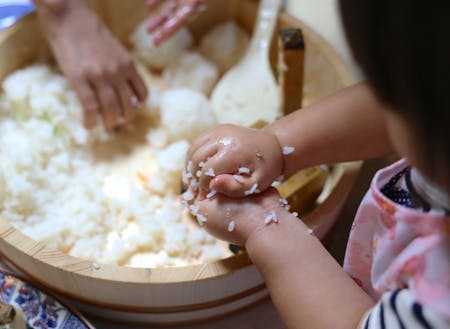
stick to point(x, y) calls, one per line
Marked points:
point(248, 91)
point(302, 188)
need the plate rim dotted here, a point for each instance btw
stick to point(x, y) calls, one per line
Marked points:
point(50, 293)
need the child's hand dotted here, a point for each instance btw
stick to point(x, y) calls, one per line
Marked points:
point(236, 219)
point(234, 161)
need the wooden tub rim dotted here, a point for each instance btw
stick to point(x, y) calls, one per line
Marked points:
point(203, 271)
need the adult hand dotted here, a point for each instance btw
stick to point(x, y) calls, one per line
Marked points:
point(99, 68)
point(171, 17)
point(235, 161)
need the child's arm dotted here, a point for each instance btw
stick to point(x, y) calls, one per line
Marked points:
point(308, 287)
point(306, 284)
point(345, 126)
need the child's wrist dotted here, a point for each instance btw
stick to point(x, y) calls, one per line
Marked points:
point(272, 217)
point(280, 148)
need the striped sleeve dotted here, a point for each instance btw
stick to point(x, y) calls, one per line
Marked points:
point(398, 310)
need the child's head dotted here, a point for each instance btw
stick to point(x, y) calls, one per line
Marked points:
point(403, 48)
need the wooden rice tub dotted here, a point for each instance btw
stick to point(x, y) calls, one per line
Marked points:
point(182, 294)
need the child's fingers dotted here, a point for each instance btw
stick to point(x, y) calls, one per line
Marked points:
point(233, 186)
point(222, 163)
point(199, 142)
point(195, 161)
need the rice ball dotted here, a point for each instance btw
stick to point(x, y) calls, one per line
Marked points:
point(185, 113)
point(171, 159)
point(225, 44)
point(192, 70)
point(161, 56)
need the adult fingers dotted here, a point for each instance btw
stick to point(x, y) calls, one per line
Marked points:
point(110, 105)
point(156, 21)
point(172, 23)
point(88, 100)
point(128, 100)
point(138, 85)
point(152, 4)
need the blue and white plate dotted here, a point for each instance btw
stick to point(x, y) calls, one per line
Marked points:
point(39, 308)
point(11, 11)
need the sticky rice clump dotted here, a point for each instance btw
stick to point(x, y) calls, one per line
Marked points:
point(192, 70)
point(108, 198)
point(158, 57)
point(224, 45)
point(185, 114)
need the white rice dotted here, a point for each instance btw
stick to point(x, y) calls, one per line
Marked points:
point(58, 190)
point(224, 44)
point(231, 226)
point(194, 183)
point(201, 218)
point(211, 194)
point(188, 195)
point(194, 209)
point(244, 170)
point(268, 219)
point(210, 172)
point(252, 189)
point(288, 150)
point(283, 201)
point(192, 70)
point(185, 113)
point(274, 216)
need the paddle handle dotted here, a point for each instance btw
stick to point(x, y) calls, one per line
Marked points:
point(265, 24)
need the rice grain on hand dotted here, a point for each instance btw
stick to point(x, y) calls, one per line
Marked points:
point(251, 190)
point(288, 150)
point(231, 226)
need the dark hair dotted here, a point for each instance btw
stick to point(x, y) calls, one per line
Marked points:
point(403, 48)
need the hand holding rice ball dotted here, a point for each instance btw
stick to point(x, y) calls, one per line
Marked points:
point(231, 160)
point(236, 220)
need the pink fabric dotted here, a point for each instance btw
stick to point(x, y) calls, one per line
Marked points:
point(392, 247)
